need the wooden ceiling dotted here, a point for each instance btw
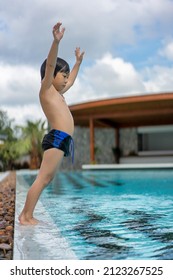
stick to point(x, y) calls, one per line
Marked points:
point(133, 111)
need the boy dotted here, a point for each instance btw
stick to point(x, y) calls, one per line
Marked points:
point(56, 80)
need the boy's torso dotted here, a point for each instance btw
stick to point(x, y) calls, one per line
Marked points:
point(57, 111)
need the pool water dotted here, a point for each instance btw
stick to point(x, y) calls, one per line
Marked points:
point(114, 215)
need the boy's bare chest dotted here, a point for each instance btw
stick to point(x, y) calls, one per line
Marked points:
point(54, 102)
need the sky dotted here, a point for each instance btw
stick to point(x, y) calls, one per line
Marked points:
point(128, 48)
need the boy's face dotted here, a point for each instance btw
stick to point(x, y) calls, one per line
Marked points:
point(60, 80)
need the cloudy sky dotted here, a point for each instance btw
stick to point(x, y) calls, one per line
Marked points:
point(128, 49)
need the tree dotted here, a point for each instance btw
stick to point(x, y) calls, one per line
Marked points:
point(8, 151)
point(18, 141)
point(32, 135)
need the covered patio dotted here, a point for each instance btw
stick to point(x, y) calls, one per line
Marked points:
point(123, 112)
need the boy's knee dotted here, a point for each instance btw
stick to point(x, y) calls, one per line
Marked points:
point(49, 178)
point(46, 179)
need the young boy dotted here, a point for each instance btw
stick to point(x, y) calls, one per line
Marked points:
point(56, 80)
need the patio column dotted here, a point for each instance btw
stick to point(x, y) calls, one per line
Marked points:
point(117, 146)
point(91, 126)
point(117, 137)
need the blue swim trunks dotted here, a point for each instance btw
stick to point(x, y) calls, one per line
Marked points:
point(60, 140)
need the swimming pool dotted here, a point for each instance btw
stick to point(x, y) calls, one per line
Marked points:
point(117, 214)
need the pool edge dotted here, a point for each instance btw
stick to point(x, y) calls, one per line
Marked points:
point(127, 166)
point(40, 242)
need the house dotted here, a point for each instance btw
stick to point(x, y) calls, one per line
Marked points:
point(136, 128)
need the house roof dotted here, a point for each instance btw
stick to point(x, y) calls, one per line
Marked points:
point(131, 111)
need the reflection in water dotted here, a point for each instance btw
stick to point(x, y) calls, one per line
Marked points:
point(105, 242)
point(147, 224)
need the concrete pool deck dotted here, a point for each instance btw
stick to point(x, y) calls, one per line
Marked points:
point(130, 166)
point(41, 242)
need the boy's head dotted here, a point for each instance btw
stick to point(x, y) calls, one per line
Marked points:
point(61, 66)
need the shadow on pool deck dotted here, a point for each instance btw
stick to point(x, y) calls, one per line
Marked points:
point(40, 242)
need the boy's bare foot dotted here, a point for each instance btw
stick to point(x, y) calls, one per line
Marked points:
point(27, 221)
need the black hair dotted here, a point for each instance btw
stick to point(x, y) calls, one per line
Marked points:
point(61, 65)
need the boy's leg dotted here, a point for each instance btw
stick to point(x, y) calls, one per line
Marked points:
point(51, 161)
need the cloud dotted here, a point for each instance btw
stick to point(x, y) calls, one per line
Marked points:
point(97, 28)
point(114, 77)
point(110, 31)
point(19, 84)
point(20, 114)
point(107, 77)
point(158, 79)
point(167, 51)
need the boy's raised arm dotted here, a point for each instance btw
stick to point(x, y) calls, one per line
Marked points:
point(75, 70)
point(58, 33)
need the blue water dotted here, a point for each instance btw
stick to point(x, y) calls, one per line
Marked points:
point(114, 214)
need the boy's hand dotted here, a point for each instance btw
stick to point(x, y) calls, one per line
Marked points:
point(79, 55)
point(57, 33)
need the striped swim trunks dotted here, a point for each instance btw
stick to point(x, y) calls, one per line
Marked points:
point(60, 140)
